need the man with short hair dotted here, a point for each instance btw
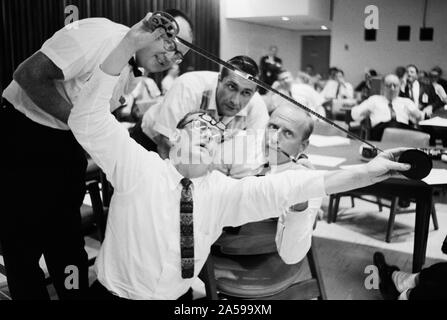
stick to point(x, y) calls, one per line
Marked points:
point(225, 96)
point(423, 95)
point(165, 215)
point(388, 110)
point(43, 167)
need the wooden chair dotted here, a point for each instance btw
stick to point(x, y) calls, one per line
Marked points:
point(404, 138)
point(247, 266)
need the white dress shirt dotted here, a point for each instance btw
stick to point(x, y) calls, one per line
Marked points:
point(378, 110)
point(76, 52)
point(194, 91)
point(294, 229)
point(345, 91)
point(140, 256)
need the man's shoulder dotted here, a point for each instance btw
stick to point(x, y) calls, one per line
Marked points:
point(198, 78)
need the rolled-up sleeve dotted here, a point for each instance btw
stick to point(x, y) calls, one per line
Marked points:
point(294, 232)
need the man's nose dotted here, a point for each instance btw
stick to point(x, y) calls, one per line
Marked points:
point(235, 99)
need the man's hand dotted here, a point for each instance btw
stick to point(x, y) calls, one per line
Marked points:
point(428, 110)
point(385, 166)
point(140, 36)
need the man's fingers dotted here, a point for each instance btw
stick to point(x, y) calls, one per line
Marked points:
point(393, 154)
point(397, 166)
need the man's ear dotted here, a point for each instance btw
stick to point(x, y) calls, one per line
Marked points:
point(304, 145)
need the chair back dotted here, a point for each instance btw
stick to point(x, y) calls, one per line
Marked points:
point(406, 138)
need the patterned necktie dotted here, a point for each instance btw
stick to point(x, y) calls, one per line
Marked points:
point(136, 72)
point(392, 112)
point(186, 230)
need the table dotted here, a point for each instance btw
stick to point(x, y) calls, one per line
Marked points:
point(418, 191)
point(437, 132)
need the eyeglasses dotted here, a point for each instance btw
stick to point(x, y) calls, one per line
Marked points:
point(391, 85)
point(207, 123)
point(169, 44)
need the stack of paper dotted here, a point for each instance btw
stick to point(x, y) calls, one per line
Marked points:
point(436, 121)
point(436, 176)
point(327, 141)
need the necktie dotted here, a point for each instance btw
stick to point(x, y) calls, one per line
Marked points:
point(392, 112)
point(186, 230)
point(136, 71)
point(410, 90)
point(338, 91)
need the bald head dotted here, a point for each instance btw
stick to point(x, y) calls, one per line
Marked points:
point(298, 119)
point(391, 86)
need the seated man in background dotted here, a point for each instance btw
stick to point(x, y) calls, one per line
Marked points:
point(388, 110)
point(225, 96)
point(298, 89)
point(423, 94)
point(363, 88)
point(338, 88)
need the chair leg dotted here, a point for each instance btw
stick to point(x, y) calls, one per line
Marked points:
point(98, 209)
point(379, 202)
point(208, 278)
point(391, 219)
point(336, 206)
point(315, 271)
point(330, 208)
point(352, 202)
point(434, 217)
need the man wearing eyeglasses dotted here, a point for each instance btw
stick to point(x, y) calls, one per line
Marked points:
point(45, 167)
point(165, 214)
point(388, 110)
point(225, 96)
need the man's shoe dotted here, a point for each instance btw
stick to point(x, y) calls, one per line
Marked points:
point(386, 285)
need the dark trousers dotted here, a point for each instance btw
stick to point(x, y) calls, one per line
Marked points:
point(43, 185)
point(432, 283)
point(99, 292)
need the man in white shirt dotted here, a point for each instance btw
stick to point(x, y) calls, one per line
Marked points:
point(225, 96)
point(44, 167)
point(338, 88)
point(388, 110)
point(143, 254)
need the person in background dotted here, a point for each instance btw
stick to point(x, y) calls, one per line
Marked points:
point(270, 65)
point(439, 79)
point(422, 94)
point(428, 284)
point(387, 110)
point(45, 167)
point(363, 89)
point(168, 80)
point(338, 88)
point(137, 102)
point(436, 80)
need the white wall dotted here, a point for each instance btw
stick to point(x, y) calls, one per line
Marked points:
point(387, 53)
point(254, 40)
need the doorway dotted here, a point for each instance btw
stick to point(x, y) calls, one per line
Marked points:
point(316, 52)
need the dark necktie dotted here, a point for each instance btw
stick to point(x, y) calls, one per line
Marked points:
point(136, 71)
point(186, 230)
point(409, 90)
point(338, 91)
point(392, 112)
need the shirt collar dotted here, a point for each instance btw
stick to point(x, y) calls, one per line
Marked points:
point(174, 177)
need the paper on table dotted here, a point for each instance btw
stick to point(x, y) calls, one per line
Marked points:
point(436, 176)
point(436, 121)
point(326, 161)
point(327, 141)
